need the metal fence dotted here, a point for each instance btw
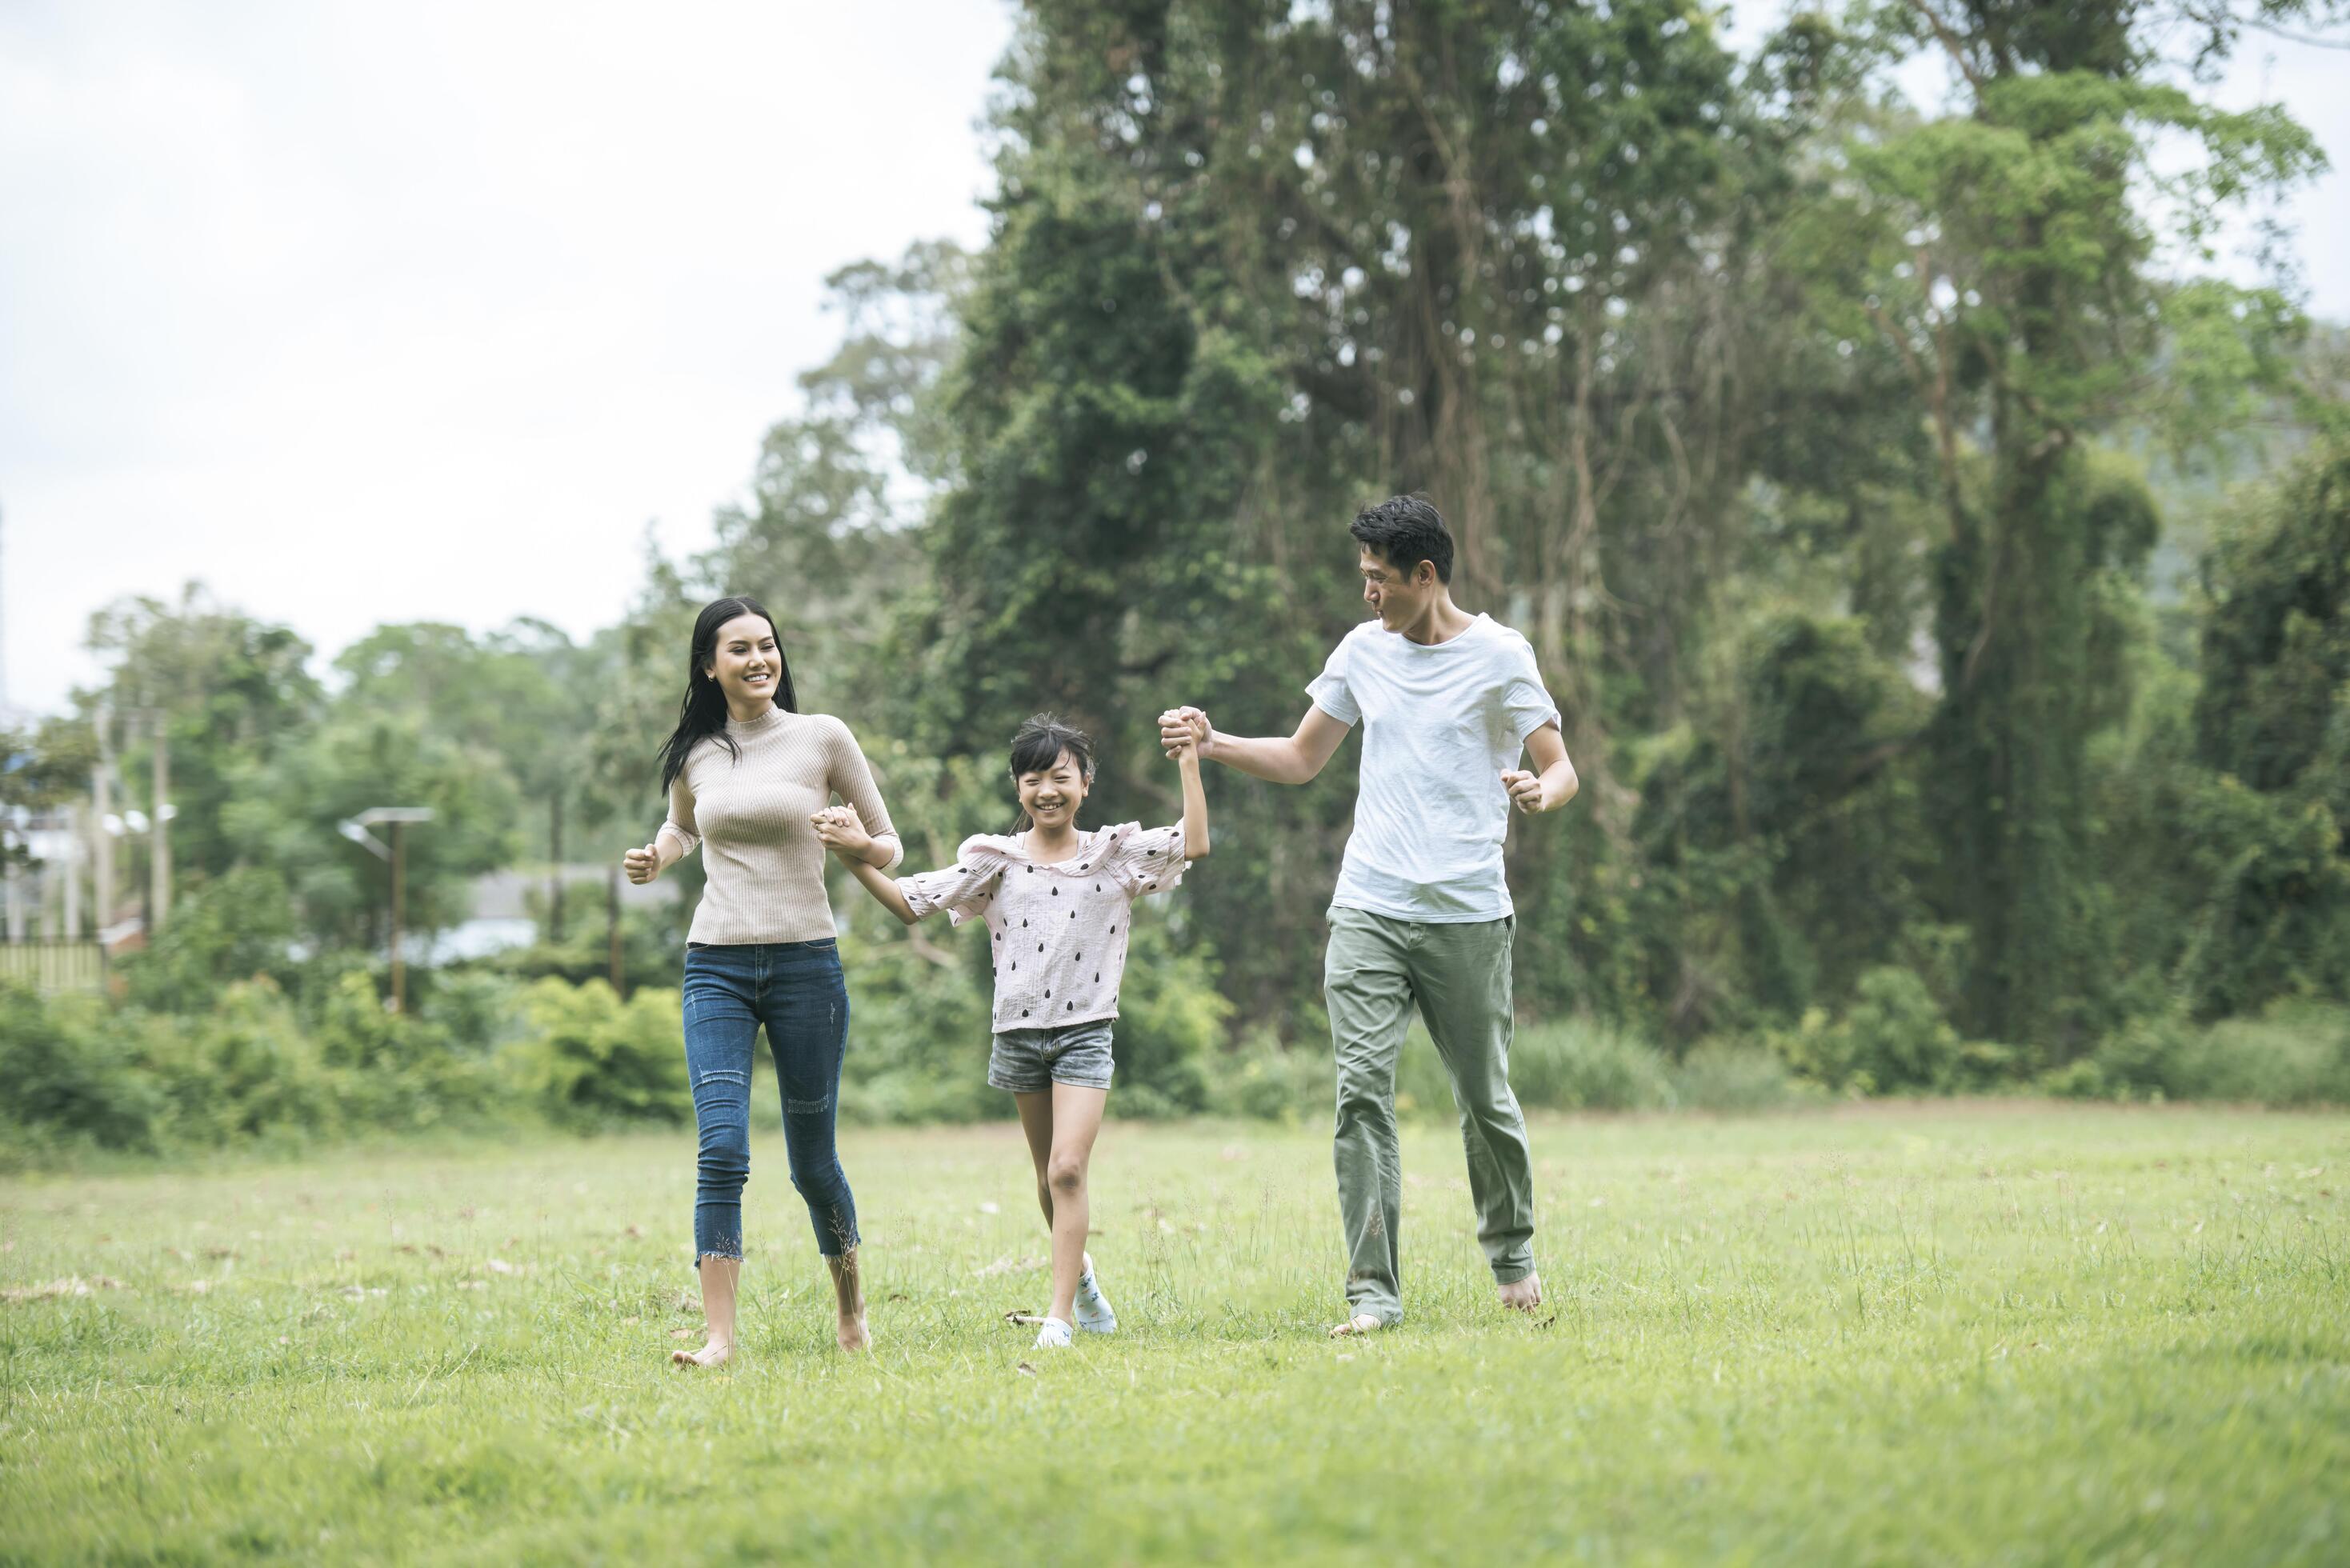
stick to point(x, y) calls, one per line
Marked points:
point(53, 964)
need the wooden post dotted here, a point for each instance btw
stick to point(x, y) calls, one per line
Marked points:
point(399, 909)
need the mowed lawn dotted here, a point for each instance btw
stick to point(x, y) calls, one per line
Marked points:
point(2001, 1333)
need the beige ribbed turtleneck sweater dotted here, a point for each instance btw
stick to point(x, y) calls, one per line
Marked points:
point(750, 814)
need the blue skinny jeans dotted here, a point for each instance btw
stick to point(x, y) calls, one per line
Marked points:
point(795, 990)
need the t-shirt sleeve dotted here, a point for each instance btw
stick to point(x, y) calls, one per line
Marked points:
point(965, 891)
point(1523, 697)
point(1150, 860)
point(1329, 689)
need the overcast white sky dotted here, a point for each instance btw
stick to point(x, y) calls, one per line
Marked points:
point(362, 313)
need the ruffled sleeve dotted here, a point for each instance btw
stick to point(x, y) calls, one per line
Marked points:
point(966, 889)
point(1145, 861)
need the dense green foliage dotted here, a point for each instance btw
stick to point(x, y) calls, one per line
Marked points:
point(1818, 444)
point(2004, 1335)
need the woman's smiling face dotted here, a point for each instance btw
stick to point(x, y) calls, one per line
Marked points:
point(1051, 797)
point(746, 662)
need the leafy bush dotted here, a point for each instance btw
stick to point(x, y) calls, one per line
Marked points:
point(1574, 1064)
point(231, 929)
point(1728, 1078)
point(65, 1075)
point(475, 1009)
point(1170, 1026)
point(1577, 1065)
point(2297, 1053)
point(1893, 1038)
point(246, 1069)
point(918, 1031)
point(1297, 1085)
point(590, 1059)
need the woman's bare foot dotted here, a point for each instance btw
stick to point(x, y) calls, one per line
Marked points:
point(1360, 1324)
point(1522, 1295)
point(849, 1290)
point(720, 1278)
point(714, 1354)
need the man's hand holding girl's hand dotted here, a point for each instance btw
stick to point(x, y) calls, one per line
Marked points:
point(1525, 789)
point(839, 829)
point(1185, 728)
point(640, 866)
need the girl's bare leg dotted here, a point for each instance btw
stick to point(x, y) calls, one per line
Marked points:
point(1036, 1122)
point(1076, 1114)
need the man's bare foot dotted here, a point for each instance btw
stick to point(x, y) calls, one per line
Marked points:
point(1361, 1323)
point(714, 1354)
point(1522, 1295)
point(853, 1334)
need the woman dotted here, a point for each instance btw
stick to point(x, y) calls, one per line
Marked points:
point(745, 773)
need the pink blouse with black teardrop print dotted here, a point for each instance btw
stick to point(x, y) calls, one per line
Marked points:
point(1057, 933)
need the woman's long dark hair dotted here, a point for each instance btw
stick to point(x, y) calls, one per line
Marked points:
point(703, 711)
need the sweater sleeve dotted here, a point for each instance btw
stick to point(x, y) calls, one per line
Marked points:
point(680, 828)
point(849, 777)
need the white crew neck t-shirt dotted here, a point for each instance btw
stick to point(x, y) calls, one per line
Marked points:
point(1442, 723)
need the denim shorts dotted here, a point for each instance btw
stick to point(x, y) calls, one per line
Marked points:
point(1028, 1061)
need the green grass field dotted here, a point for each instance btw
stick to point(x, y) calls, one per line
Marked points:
point(1938, 1333)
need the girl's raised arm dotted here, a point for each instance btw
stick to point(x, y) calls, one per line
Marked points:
point(1195, 804)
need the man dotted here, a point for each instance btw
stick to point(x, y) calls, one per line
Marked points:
point(1422, 915)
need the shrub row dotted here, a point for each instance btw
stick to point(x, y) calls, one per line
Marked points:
point(484, 1050)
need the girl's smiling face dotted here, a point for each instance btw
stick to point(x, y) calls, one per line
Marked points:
point(1052, 795)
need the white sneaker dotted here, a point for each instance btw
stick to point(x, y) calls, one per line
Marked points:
point(1093, 1313)
point(1054, 1335)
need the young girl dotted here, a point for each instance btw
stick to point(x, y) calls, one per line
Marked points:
point(1058, 904)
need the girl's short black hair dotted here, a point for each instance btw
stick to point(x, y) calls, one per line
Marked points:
point(1040, 743)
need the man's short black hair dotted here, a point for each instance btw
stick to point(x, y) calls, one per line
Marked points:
point(1406, 530)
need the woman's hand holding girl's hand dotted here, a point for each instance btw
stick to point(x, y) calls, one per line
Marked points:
point(641, 866)
point(839, 829)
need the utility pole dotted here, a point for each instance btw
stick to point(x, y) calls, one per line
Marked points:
point(4, 650)
point(160, 859)
point(356, 830)
point(101, 837)
point(399, 914)
point(77, 835)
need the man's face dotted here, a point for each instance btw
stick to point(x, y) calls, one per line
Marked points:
point(1398, 599)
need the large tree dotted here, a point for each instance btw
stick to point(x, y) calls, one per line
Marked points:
point(2020, 258)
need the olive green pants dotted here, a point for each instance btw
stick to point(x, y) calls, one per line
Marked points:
point(1376, 971)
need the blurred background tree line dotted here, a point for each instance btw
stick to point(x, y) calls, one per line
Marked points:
point(1944, 575)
